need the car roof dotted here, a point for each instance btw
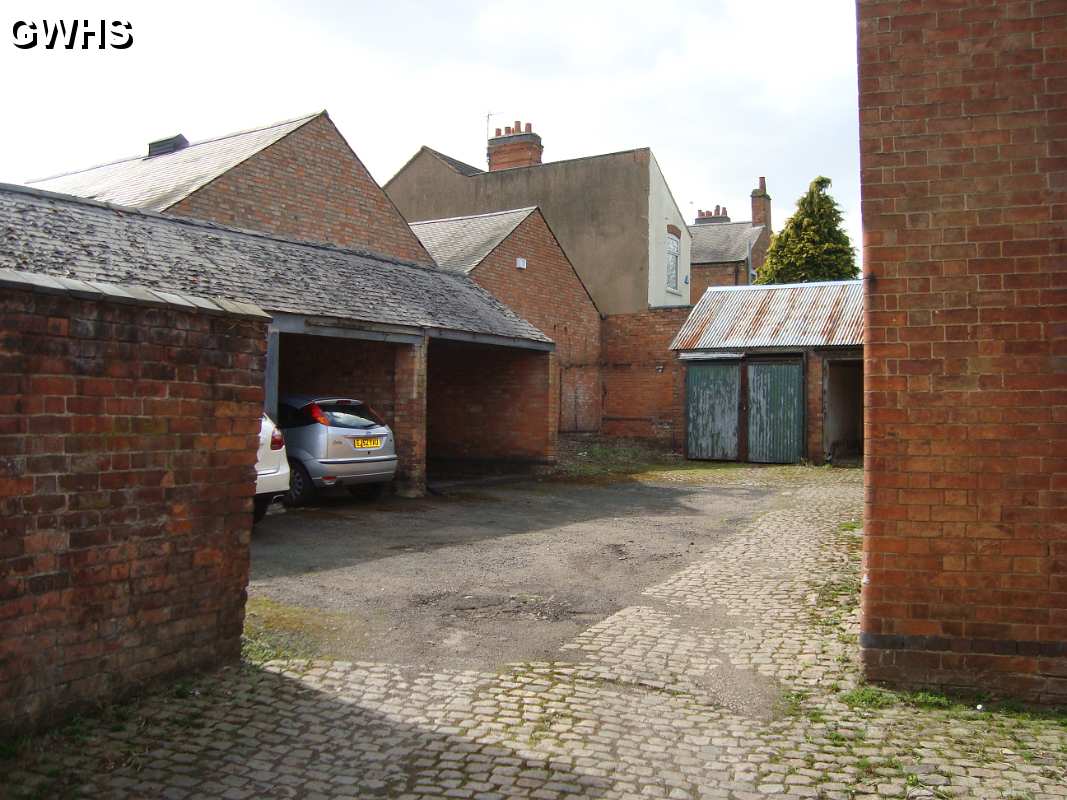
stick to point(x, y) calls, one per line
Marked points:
point(301, 400)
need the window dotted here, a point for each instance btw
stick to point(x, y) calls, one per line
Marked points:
point(674, 248)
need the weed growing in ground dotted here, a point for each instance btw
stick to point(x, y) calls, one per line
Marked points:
point(869, 697)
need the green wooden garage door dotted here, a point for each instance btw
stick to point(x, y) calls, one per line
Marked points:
point(775, 412)
point(712, 393)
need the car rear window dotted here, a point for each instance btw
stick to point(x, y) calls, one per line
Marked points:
point(350, 415)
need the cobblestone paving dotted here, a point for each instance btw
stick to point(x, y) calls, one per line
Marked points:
point(661, 700)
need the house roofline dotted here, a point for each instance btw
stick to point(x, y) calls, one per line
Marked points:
point(305, 119)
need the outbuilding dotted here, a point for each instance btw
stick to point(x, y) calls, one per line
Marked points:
point(428, 348)
point(774, 374)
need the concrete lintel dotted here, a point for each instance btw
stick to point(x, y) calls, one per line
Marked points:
point(486, 338)
point(326, 326)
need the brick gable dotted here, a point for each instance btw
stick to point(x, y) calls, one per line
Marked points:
point(308, 185)
point(549, 294)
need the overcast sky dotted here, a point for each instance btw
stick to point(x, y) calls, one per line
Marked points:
point(723, 91)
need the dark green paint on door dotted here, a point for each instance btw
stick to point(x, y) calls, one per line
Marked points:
point(712, 394)
point(775, 412)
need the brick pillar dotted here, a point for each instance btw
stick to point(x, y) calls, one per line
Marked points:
point(962, 120)
point(554, 383)
point(814, 375)
point(409, 419)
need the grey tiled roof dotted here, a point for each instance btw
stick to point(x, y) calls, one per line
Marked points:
point(455, 163)
point(136, 295)
point(70, 237)
point(714, 242)
point(460, 243)
point(161, 181)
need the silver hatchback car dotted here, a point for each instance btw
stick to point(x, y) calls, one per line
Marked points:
point(335, 441)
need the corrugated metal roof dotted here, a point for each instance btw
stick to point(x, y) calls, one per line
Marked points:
point(460, 243)
point(159, 182)
point(827, 314)
point(716, 242)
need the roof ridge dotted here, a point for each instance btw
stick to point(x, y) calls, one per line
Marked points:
point(15, 188)
point(527, 209)
point(848, 281)
point(452, 161)
point(305, 118)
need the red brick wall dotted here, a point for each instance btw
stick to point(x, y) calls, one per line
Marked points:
point(409, 417)
point(489, 403)
point(308, 185)
point(813, 369)
point(643, 382)
point(362, 370)
point(702, 276)
point(128, 440)
point(550, 295)
point(963, 107)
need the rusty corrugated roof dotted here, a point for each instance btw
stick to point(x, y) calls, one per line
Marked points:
point(825, 314)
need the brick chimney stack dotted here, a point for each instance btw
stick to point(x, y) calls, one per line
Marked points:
point(718, 215)
point(761, 205)
point(514, 147)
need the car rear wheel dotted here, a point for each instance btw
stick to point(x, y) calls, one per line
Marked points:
point(301, 489)
point(367, 491)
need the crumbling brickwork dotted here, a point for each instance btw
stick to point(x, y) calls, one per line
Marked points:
point(128, 439)
point(963, 108)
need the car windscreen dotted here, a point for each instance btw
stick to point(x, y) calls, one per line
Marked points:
point(350, 415)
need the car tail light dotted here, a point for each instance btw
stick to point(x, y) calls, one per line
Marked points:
point(317, 415)
point(277, 441)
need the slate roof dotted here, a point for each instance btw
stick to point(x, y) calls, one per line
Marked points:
point(715, 242)
point(460, 244)
point(455, 163)
point(823, 314)
point(71, 237)
point(136, 295)
point(159, 182)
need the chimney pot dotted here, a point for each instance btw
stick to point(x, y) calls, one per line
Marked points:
point(716, 209)
point(725, 213)
point(763, 184)
point(524, 150)
point(498, 132)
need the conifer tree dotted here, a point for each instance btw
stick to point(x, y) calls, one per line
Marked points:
point(813, 246)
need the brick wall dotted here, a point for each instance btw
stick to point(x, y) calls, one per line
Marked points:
point(963, 107)
point(703, 276)
point(360, 369)
point(311, 186)
point(813, 368)
point(487, 403)
point(550, 295)
point(128, 439)
point(643, 382)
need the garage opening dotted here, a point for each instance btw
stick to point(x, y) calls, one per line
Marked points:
point(326, 365)
point(488, 408)
point(844, 411)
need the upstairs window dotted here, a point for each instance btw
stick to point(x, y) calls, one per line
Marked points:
point(674, 249)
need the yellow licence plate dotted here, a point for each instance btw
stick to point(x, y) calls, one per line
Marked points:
point(368, 443)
